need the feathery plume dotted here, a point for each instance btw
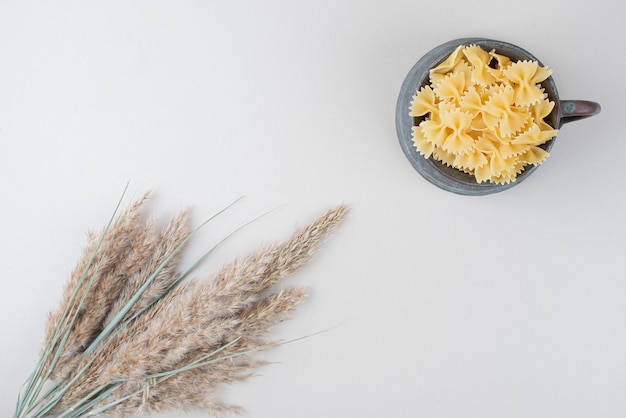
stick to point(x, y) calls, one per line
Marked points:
point(130, 336)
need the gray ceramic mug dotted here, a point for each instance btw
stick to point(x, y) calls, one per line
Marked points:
point(449, 178)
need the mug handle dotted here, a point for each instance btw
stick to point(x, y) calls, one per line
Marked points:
point(572, 110)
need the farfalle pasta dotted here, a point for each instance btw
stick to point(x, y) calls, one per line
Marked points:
point(483, 114)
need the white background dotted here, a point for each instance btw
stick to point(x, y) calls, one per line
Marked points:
point(508, 305)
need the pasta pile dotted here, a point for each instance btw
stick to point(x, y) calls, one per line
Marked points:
point(484, 114)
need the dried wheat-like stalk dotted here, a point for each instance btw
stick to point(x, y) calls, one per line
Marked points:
point(131, 336)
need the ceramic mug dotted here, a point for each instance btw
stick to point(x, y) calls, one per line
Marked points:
point(449, 178)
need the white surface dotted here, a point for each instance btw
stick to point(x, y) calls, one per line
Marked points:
point(510, 305)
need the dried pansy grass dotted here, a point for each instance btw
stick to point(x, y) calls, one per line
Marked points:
point(483, 114)
point(131, 336)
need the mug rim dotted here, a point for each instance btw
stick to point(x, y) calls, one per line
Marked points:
point(436, 172)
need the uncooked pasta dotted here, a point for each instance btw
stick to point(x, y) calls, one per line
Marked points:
point(483, 114)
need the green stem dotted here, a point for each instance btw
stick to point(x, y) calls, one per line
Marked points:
point(97, 395)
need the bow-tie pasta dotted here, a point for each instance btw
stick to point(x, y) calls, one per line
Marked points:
point(483, 114)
